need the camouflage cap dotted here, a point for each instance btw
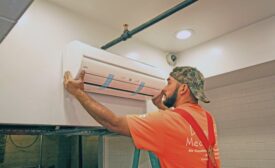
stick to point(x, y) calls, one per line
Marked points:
point(193, 78)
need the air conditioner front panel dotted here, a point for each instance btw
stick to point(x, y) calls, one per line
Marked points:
point(98, 84)
point(120, 73)
point(113, 80)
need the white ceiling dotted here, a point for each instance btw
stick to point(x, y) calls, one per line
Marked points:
point(208, 18)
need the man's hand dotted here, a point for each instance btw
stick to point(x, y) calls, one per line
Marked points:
point(74, 85)
point(157, 100)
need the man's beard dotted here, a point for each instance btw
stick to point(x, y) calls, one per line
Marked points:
point(170, 101)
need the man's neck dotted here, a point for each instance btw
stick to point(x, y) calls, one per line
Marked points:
point(185, 101)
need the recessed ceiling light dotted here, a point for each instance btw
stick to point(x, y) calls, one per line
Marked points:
point(184, 34)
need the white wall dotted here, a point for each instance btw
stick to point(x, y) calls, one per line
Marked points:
point(245, 114)
point(245, 47)
point(31, 57)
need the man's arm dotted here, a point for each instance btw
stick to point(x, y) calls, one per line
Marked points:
point(99, 112)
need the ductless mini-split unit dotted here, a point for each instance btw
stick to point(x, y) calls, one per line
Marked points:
point(110, 74)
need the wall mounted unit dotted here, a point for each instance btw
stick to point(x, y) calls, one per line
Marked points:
point(110, 74)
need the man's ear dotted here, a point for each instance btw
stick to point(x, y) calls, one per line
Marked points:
point(183, 89)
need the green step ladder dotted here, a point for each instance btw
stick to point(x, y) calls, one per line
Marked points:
point(153, 159)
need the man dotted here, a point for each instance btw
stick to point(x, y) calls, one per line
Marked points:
point(167, 133)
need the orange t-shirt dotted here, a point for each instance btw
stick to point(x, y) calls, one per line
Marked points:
point(172, 138)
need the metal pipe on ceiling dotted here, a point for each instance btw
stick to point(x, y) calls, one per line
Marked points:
point(128, 34)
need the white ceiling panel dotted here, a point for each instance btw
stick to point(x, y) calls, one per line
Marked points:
point(5, 27)
point(10, 12)
point(12, 9)
point(208, 19)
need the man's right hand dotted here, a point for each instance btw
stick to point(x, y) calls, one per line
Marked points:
point(157, 101)
point(73, 86)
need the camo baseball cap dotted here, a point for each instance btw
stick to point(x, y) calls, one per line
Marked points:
point(193, 78)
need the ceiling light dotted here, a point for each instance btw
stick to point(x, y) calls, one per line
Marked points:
point(184, 34)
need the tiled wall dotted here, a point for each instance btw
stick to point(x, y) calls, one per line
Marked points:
point(245, 116)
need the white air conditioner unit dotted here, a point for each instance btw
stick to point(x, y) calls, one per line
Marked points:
point(110, 74)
